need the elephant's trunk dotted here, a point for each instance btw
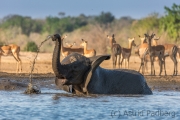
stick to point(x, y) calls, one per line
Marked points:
point(59, 70)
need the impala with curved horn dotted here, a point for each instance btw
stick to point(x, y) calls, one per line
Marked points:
point(13, 50)
point(87, 53)
point(87, 77)
point(155, 51)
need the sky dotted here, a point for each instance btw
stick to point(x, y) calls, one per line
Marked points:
point(136, 9)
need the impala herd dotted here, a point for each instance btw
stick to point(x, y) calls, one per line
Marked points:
point(148, 51)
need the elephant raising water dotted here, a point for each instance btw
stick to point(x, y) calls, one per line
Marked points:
point(85, 75)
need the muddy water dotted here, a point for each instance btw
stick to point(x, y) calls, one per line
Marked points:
point(57, 104)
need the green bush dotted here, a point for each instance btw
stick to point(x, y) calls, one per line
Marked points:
point(31, 46)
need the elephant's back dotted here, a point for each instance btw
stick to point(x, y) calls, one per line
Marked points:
point(120, 81)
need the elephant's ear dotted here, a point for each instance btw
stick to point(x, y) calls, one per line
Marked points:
point(95, 62)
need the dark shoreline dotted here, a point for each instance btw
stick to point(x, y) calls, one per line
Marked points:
point(12, 81)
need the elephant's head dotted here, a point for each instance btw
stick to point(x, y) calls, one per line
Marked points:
point(77, 66)
point(75, 69)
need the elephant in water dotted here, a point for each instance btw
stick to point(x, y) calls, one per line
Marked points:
point(87, 77)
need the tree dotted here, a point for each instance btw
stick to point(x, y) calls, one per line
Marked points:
point(105, 18)
point(31, 46)
point(171, 22)
point(27, 24)
point(147, 24)
point(65, 24)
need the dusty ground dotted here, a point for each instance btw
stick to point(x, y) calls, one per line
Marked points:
point(43, 74)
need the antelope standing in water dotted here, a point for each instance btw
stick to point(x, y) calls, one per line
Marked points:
point(13, 50)
point(115, 51)
point(68, 50)
point(87, 53)
point(126, 52)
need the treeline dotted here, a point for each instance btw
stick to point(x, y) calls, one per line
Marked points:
point(166, 26)
point(53, 24)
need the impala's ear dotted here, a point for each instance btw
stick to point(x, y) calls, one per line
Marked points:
point(95, 62)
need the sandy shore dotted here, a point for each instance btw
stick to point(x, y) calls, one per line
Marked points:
point(43, 73)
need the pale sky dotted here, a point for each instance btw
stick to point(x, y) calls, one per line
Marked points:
point(42, 8)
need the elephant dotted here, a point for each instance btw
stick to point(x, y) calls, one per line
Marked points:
point(83, 76)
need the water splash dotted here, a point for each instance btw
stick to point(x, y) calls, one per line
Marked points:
point(34, 88)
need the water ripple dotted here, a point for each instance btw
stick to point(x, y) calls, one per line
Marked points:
point(57, 104)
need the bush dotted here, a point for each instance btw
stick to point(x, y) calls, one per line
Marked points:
point(31, 46)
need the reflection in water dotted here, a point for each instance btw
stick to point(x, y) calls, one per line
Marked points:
point(57, 104)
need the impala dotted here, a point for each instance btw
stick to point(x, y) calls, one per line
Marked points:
point(141, 50)
point(70, 45)
point(171, 51)
point(126, 52)
point(13, 50)
point(87, 53)
point(115, 50)
point(155, 51)
point(68, 50)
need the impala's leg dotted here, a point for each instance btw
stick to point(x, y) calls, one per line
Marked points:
point(119, 58)
point(175, 64)
point(143, 63)
point(128, 63)
point(172, 58)
point(0, 62)
point(113, 61)
point(164, 63)
point(125, 63)
point(140, 65)
point(122, 61)
point(160, 64)
point(175, 59)
point(19, 63)
point(151, 65)
point(145, 66)
point(176, 68)
point(154, 71)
